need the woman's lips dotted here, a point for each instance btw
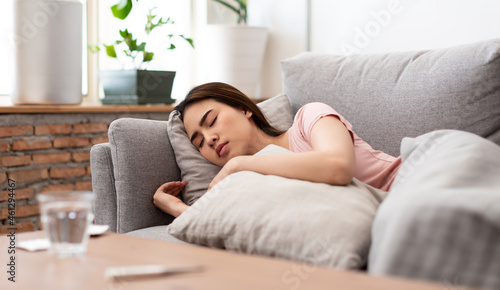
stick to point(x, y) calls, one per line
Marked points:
point(221, 149)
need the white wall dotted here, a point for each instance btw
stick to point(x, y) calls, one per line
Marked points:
point(370, 26)
point(287, 23)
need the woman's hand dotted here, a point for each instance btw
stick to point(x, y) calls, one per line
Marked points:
point(232, 166)
point(166, 198)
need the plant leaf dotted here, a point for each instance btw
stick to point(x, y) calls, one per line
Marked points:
point(129, 39)
point(125, 33)
point(141, 47)
point(122, 9)
point(164, 22)
point(110, 50)
point(172, 46)
point(189, 40)
point(151, 25)
point(133, 44)
point(148, 56)
point(242, 11)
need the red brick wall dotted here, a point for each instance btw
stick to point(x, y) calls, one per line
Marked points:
point(48, 157)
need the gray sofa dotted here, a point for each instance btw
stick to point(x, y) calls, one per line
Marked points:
point(417, 232)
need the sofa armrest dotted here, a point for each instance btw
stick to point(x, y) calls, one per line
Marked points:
point(103, 185)
point(143, 159)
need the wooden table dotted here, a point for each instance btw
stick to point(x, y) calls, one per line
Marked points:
point(220, 269)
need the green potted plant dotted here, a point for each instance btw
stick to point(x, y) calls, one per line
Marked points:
point(137, 85)
point(237, 55)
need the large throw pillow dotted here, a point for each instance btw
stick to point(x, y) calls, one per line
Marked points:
point(195, 169)
point(292, 219)
point(441, 219)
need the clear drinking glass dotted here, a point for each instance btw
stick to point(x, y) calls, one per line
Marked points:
point(66, 217)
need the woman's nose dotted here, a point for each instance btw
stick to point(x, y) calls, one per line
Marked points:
point(212, 140)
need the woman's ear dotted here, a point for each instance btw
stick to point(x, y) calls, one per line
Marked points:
point(247, 113)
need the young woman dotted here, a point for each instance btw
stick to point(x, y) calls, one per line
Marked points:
point(228, 129)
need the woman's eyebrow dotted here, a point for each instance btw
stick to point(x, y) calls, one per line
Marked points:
point(204, 117)
point(201, 124)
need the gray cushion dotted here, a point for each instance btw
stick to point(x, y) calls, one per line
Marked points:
point(142, 161)
point(195, 169)
point(404, 94)
point(441, 219)
point(293, 219)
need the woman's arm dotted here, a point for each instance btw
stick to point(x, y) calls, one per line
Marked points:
point(332, 160)
point(165, 198)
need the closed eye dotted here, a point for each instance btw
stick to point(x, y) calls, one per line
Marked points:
point(213, 122)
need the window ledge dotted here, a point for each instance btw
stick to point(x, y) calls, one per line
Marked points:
point(85, 107)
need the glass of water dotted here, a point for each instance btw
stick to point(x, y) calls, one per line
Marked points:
point(66, 217)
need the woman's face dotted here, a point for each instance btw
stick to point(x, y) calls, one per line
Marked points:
point(220, 132)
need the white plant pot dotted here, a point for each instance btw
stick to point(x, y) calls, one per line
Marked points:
point(48, 52)
point(234, 55)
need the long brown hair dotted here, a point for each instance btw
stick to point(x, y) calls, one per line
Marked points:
point(230, 96)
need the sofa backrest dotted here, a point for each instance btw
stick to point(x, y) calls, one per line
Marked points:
point(403, 94)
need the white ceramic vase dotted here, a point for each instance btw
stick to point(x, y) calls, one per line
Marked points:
point(48, 52)
point(234, 55)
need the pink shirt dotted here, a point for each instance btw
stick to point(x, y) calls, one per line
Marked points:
point(372, 167)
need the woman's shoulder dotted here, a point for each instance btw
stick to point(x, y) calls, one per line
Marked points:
point(314, 108)
point(310, 113)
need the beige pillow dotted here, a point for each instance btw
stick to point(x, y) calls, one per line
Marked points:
point(274, 216)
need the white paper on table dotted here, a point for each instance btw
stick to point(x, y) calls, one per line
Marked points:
point(34, 245)
point(95, 230)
